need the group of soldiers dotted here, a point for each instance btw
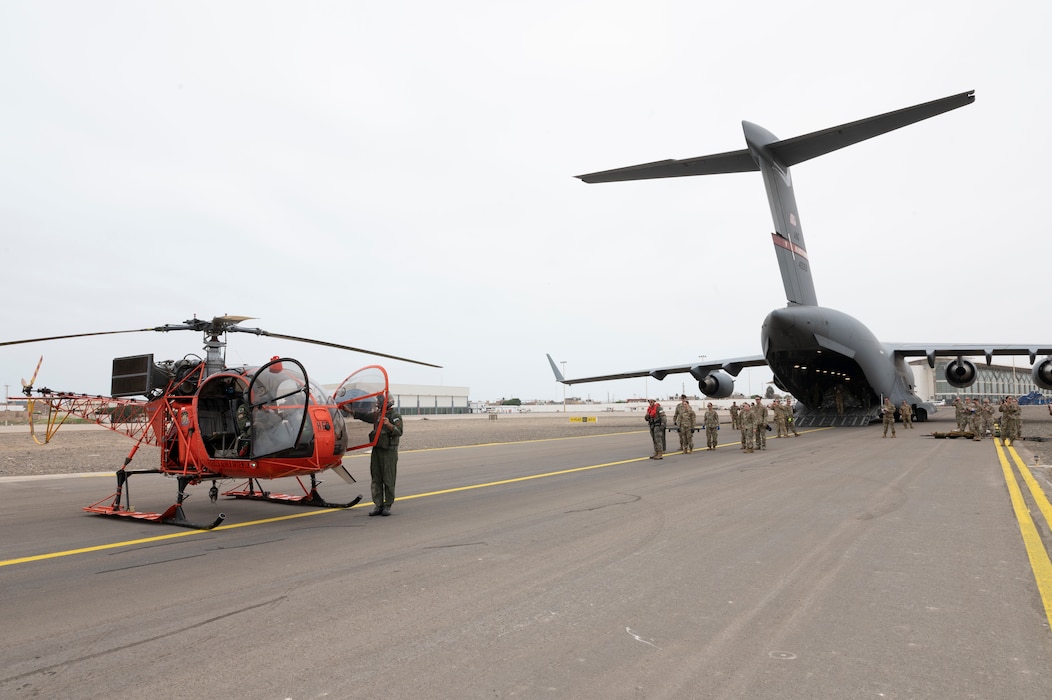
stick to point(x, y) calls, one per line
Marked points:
point(750, 419)
point(686, 420)
point(887, 416)
point(978, 417)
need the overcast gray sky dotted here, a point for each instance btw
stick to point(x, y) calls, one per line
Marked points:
point(397, 176)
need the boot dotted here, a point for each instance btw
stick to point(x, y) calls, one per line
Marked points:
point(377, 510)
point(385, 511)
point(659, 455)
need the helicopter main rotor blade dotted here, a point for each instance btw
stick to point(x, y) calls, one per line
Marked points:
point(76, 335)
point(218, 325)
point(258, 331)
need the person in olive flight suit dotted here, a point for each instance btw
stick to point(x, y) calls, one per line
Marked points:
point(383, 463)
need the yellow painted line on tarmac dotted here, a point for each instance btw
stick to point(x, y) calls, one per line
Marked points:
point(305, 514)
point(1035, 548)
point(502, 482)
point(1035, 488)
point(509, 442)
point(161, 538)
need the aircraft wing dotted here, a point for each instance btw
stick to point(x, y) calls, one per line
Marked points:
point(933, 350)
point(699, 370)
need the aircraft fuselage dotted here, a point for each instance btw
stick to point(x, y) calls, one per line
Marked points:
point(812, 350)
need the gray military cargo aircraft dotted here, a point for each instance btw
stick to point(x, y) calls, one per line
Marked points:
point(813, 350)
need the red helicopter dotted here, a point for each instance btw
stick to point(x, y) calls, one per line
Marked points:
point(214, 422)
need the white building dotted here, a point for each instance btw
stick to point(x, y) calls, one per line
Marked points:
point(423, 400)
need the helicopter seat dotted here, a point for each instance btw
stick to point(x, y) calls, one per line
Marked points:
point(218, 429)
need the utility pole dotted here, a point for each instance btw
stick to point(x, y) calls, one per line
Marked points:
point(563, 363)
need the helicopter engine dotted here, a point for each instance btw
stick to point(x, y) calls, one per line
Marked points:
point(180, 372)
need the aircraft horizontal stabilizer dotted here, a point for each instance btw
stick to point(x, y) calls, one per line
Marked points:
point(801, 148)
point(733, 162)
point(788, 152)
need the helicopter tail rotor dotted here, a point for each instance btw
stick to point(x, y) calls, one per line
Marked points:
point(27, 387)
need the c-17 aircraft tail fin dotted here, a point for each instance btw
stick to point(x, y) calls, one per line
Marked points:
point(773, 159)
point(558, 375)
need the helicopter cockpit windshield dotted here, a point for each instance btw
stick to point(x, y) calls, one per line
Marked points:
point(363, 396)
point(279, 395)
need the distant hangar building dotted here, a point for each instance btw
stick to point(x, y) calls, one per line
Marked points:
point(424, 400)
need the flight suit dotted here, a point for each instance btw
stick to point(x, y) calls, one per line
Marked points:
point(383, 463)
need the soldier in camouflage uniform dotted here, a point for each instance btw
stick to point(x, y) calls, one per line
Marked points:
point(656, 419)
point(906, 412)
point(748, 427)
point(986, 419)
point(711, 420)
point(759, 413)
point(888, 415)
point(1011, 420)
point(1017, 420)
point(684, 418)
point(778, 414)
point(790, 419)
point(736, 423)
point(975, 418)
point(958, 412)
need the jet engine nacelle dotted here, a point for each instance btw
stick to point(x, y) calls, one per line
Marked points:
point(961, 373)
point(1042, 373)
point(717, 385)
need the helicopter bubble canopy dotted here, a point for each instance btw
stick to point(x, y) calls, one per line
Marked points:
point(279, 394)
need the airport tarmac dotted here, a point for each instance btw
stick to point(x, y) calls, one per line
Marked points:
point(78, 448)
point(837, 564)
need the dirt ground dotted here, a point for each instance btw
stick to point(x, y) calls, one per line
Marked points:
point(87, 448)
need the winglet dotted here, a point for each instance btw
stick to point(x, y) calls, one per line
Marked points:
point(558, 375)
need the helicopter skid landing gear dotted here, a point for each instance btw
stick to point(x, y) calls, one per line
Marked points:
point(173, 516)
point(252, 490)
